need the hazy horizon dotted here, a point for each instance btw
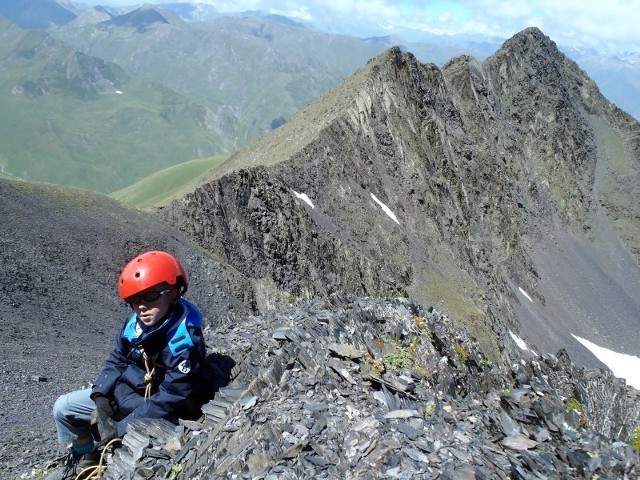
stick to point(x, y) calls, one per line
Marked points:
point(606, 26)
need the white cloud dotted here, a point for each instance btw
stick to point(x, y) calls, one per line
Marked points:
point(567, 22)
point(571, 22)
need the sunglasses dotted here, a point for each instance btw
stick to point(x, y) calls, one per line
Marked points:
point(148, 297)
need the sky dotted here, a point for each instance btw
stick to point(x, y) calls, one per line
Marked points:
point(606, 25)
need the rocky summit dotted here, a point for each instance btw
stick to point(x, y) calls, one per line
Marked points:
point(358, 388)
point(504, 192)
point(392, 282)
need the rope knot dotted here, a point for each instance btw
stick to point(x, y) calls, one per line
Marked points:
point(150, 367)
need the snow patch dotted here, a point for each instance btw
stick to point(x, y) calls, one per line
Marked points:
point(525, 294)
point(622, 365)
point(386, 209)
point(518, 340)
point(119, 92)
point(521, 343)
point(303, 197)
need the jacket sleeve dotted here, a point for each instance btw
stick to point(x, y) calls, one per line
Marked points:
point(178, 384)
point(115, 365)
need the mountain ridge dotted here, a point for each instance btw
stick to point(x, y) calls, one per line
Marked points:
point(501, 192)
point(488, 204)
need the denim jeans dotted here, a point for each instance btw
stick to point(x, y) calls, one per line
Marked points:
point(72, 414)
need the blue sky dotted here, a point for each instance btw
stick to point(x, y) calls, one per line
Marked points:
point(608, 25)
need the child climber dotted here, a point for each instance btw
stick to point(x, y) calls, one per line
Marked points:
point(151, 373)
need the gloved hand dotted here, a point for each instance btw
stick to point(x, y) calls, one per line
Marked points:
point(107, 426)
point(104, 407)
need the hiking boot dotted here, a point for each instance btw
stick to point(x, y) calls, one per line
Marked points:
point(74, 466)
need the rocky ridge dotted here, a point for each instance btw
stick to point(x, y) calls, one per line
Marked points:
point(477, 164)
point(359, 388)
point(461, 187)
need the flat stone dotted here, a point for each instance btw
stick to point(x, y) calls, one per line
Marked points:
point(403, 413)
point(345, 351)
point(518, 442)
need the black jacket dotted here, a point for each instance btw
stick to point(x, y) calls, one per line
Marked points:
point(179, 351)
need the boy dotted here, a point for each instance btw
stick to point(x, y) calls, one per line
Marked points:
point(151, 373)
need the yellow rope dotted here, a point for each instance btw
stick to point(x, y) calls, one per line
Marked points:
point(95, 472)
point(151, 370)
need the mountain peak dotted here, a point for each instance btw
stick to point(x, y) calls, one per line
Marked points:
point(530, 43)
point(140, 19)
point(32, 14)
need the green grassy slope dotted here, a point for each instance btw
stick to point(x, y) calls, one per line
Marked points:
point(251, 72)
point(76, 120)
point(167, 184)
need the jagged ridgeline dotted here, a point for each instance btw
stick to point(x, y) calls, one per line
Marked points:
point(358, 388)
point(503, 193)
point(494, 190)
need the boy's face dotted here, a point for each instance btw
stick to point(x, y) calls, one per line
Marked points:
point(152, 304)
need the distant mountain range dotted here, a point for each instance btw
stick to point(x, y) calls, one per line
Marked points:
point(36, 14)
point(503, 193)
point(75, 119)
point(194, 83)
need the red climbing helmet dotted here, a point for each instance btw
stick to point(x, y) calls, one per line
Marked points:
point(150, 269)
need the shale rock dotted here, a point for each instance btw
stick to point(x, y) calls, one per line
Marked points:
point(359, 388)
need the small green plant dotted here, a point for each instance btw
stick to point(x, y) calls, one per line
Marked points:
point(573, 404)
point(176, 470)
point(401, 357)
point(422, 324)
point(635, 440)
point(396, 360)
point(462, 352)
point(429, 409)
point(376, 365)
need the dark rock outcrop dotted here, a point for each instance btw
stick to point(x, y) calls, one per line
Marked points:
point(359, 388)
point(455, 183)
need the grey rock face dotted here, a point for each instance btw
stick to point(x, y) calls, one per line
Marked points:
point(452, 186)
point(461, 187)
point(418, 400)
